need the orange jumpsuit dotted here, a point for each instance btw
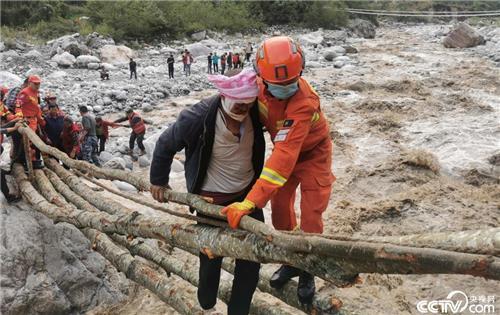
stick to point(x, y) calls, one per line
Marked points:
point(27, 107)
point(302, 155)
point(6, 116)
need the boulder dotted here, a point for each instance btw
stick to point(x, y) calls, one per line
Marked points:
point(350, 49)
point(198, 49)
point(105, 156)
point(64, 60)
point(116, 54)
point(124, 186)
point(329, 55)
point(96, 41)
point(311, 39)
point(339, 50)
point(144, 161)
point(9, 80)
point(116, 163)
point(121, 96)
point(199, 35)
point(108, 66)
point(97, 108)
point(83, 60)
point(362, 28)
point(50, 268)
point(463, 36)
point(2, 46)
point(106, 100)
point(93, 66)
point(68, 43)
point(146, 107)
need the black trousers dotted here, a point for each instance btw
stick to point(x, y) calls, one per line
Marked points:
point(216, 67)
point(133, 72)
point(246, 276)
point(5, 188)
point(19, 156)
point(102, 143)
point(170, 72)
point(139, 138)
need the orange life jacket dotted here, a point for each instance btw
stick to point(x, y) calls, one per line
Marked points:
point(138, 127)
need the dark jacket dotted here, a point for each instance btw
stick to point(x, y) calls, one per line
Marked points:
point(194, 131)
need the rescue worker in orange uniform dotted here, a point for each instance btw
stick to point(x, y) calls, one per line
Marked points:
point(290, 110)
point(28, 107)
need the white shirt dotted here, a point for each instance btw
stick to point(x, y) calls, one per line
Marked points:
point(230, 168)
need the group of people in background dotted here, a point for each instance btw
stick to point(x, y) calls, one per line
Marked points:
point(85, 140)
point(227, 61)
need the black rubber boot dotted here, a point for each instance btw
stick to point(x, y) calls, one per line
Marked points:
point(283, 275)
point(306, 288)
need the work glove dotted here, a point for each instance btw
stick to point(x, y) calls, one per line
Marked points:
point(236, 210)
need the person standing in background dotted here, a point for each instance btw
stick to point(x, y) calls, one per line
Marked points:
point(170, 63)
point(133, 68)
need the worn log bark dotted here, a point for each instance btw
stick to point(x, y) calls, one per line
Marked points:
point(138, 247)
point(322, 304)
point(153, 205)
point(313, 243)
point(179, 294)
point(247, 223)
point(27, 155)
point(220, 242)
point(64, 190)
point(84, 191)
point(480, 242)
point(187, 269)
point(230, 243)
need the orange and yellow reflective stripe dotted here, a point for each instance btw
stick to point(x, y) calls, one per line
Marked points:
point(263, 109)
point(272, 176)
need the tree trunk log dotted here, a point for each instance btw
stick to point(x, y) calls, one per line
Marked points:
point(313, 243)
point(188, 270)
point(341, 270)
point(177, 293)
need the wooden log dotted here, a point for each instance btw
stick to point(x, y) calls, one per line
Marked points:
point(388, 259)
point(220, 242)
point(247, 223)
point(187, 269)
point(312, 243)
point(177, 293)
point(27, 155)
point(84, 191)
point(138, 247)
point(480, 242)
point(153, 205)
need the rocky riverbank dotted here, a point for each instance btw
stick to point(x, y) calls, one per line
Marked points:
point(415, 127)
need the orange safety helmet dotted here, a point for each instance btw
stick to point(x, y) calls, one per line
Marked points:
point(279, 60)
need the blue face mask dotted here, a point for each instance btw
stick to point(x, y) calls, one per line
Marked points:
point(283, 92)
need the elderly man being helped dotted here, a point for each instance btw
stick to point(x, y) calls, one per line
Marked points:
point(224, 145)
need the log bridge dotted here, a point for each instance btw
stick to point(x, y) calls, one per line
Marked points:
point(160, 251)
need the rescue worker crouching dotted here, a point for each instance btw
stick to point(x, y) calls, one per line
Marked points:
point(290, 110)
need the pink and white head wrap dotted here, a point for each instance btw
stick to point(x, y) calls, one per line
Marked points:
point(242, 86)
